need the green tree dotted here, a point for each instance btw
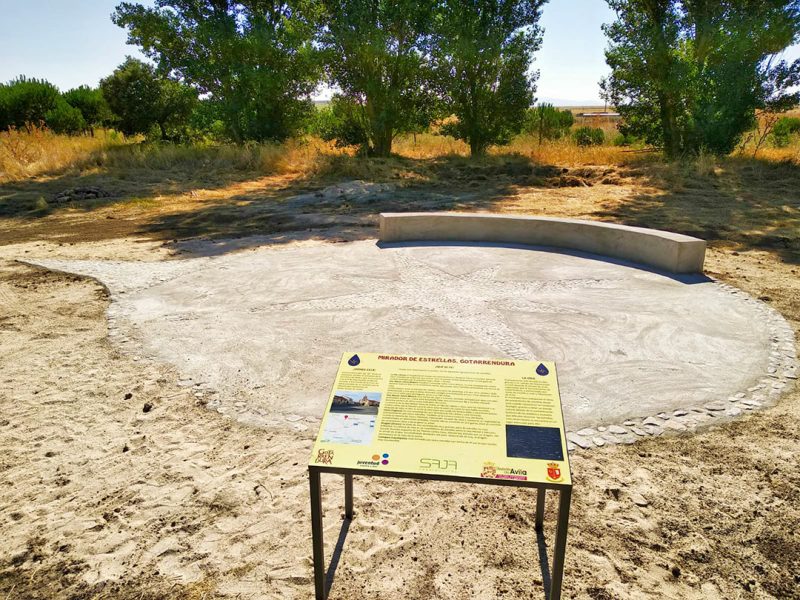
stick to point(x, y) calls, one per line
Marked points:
point(343, 121)
point(690, 74)
point(254, 59)
point(25, 102)
point(63, 118)
point(92, 105)
point(482, 55)
point(548, 122)
point(142, 100)
point(376, 55)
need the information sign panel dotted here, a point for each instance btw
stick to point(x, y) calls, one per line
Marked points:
point(448, 417)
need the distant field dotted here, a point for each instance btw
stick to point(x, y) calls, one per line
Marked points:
point(582, 109)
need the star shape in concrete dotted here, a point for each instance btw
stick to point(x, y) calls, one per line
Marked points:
point(424, 290)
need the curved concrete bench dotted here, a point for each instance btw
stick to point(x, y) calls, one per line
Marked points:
point(667, 251)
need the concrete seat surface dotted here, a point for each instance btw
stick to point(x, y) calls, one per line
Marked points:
point(664, 250)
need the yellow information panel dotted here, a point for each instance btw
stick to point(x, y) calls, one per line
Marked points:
point(460, 417)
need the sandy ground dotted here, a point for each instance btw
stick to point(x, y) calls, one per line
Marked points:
point(115, 483)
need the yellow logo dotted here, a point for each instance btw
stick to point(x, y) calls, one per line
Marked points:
point(324, 457)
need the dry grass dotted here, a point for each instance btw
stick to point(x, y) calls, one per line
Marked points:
point(567, 153)
point(25, 154)
point(561, 152)
point(776, 155)
point(426, 146)
point(227, 190)
point(28, 154)
point(294, 156)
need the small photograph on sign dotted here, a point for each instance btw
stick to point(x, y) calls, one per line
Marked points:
point(540, 443)
point(349, 429)
point(356, 403)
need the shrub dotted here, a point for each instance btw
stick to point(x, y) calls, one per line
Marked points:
point(64, 118)
point(92, 105)
point(624, 139)
point(147, 103)
point(783, 130)
point(341, 121)
point(25, 102)
point(548, 122)
point(206, 123)
point(589, 136)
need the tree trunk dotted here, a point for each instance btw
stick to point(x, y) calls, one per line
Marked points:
point(380, 131)
point(382, 147)
point(477, 148)
point(163, 132)
point(382, 141)
point(669, 127)
point(662, 75)
point(541, 127)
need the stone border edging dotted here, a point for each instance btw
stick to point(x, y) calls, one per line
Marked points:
point(781, 374)
point(673, 252)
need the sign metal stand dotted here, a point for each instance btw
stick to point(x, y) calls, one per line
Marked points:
point(367, 431)
point(559, 550)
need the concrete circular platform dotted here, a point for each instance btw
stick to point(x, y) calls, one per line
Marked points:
point(266, 328)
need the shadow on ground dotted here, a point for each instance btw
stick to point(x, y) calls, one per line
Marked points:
point(742, 203)
point(745, 204)
point(189, 201)
point(150, 184)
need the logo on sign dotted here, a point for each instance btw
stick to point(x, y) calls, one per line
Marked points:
point(542, 370)
point(324, 457)
point(553, 472)
point(493, 471)
point(438, 464)
point(489, 470)
point(354, 361)
point(376, 460)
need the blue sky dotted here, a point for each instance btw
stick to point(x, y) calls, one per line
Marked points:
point(74, 42)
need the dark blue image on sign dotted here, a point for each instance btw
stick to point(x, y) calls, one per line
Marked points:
point(539, 443)
point(542, 370)
point(354, 361)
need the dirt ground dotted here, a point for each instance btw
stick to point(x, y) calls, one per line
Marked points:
point(117, 483)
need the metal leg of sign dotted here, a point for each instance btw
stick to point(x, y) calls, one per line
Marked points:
point(540, 492)
point(565, 497)
point(316, 534)
point(348, 496)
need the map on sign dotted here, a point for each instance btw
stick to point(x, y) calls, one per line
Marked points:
point(460, 417)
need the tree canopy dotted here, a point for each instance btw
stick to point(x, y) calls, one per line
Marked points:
point(91, 103)
point(375, 54)
point(482, 54)
point(548, 122)
point(141, 100)
point(26, 101)
point(690, 74)
point(395, 65)
point(254, 58)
